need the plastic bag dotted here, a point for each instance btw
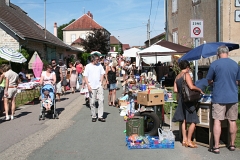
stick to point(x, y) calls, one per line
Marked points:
point(165, 136)
point(77, 86)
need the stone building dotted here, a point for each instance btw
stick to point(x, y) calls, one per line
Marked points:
point(219, 23)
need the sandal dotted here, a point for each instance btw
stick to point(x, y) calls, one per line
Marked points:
point(110, 104)
point(231, 148)
point(213, 150)
point(101, 119)
point(191, 144)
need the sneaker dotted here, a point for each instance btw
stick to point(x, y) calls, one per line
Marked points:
point(7, 118)
point(12, 117)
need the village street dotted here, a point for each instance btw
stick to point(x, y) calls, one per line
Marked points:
point(74, 136)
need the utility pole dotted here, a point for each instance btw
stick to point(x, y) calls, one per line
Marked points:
point(45, 18)
point(148, 32)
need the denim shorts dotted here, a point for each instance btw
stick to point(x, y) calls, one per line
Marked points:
point(112, 86)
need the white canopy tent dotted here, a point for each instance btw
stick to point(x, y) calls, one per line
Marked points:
point(156, 49)
point(152, 60)
point(132, 52)
point(154, 56)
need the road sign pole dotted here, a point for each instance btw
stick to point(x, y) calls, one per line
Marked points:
point(196, 62)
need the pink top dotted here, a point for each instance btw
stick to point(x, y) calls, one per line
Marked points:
point(79, 68)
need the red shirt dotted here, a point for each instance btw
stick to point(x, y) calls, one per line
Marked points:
point(79, 68)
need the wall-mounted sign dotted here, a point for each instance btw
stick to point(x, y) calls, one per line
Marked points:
point(237, 3)
point(237, 15)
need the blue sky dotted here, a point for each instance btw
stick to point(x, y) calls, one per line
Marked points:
point(124, 19)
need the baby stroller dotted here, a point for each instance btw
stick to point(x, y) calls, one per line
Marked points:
point(47, 90)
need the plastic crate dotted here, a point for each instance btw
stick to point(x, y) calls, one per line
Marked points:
point(153, 144)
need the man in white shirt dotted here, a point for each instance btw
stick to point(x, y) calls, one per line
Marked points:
point(94, 74)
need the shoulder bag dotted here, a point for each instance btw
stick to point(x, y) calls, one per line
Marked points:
point(189, 95)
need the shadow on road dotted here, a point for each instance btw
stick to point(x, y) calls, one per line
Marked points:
point(105, 114)
point(22, 114)
point(59, 110)
point(63, 99)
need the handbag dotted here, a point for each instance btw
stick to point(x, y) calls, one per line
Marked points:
point(189, 95)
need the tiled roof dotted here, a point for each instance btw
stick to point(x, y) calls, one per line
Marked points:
point(125, 46)
point(77, 41)
point(114, 40)
point(15, 19)
point(85, 22)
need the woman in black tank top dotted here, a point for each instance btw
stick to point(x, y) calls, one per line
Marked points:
point(112, 83)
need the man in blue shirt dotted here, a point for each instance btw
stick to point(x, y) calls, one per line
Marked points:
point(224, 74)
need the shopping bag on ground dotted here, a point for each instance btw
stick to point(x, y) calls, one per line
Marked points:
point(77, 86)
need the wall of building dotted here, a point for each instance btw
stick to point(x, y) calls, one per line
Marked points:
point(230, 27)
point(207, 11)
point(7, 40)
point(67, 35)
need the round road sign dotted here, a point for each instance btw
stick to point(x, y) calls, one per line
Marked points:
point(196, 31)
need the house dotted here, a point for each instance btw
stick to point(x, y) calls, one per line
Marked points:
point(18, 30)
point(79, 29)
point(125, 47)
point(115, 45)
point(220, 23)
point(155, 39)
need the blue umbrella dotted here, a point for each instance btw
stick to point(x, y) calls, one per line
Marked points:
point(207, 50)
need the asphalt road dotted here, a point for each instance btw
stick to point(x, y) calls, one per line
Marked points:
point(74, 136)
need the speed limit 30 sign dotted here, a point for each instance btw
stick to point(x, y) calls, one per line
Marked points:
point(196, 28)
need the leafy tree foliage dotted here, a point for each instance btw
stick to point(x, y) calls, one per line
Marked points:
point(59, 30)
point(97, 40)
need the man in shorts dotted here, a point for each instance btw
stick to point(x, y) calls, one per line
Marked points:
point(224, 74)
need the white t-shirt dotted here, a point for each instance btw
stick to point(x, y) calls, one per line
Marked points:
point(94, 73)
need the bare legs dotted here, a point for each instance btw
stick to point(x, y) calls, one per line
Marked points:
point(112, 97)
point(6, 107)
point(187, 135)
point(217, 132)
point(233, 131)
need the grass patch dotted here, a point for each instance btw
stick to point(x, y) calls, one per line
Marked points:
point(27, 96)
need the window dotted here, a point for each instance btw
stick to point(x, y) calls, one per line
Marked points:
point(174, 6)
point(83, 36)
point(51, 54)
point(175, 37)
point(73, 37)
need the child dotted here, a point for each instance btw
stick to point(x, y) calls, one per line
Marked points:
point(47, 101)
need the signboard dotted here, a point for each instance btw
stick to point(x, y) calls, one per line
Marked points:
point(196, 28)
point(237, 15)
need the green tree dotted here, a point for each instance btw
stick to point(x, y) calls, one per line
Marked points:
point(97, 40)
point(59, 30)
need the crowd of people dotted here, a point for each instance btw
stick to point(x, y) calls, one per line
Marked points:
point(101, 74)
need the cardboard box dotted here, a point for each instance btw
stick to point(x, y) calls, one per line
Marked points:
point(122, 103)
point(151, 99)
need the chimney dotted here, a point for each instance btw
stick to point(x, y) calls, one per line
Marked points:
point(55, 29)
point(90, 14)
point(7, 2)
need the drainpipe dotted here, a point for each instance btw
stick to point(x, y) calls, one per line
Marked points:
point(166, 19)
point(219, 20)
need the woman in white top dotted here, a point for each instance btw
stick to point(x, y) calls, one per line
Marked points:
point(48, 76)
